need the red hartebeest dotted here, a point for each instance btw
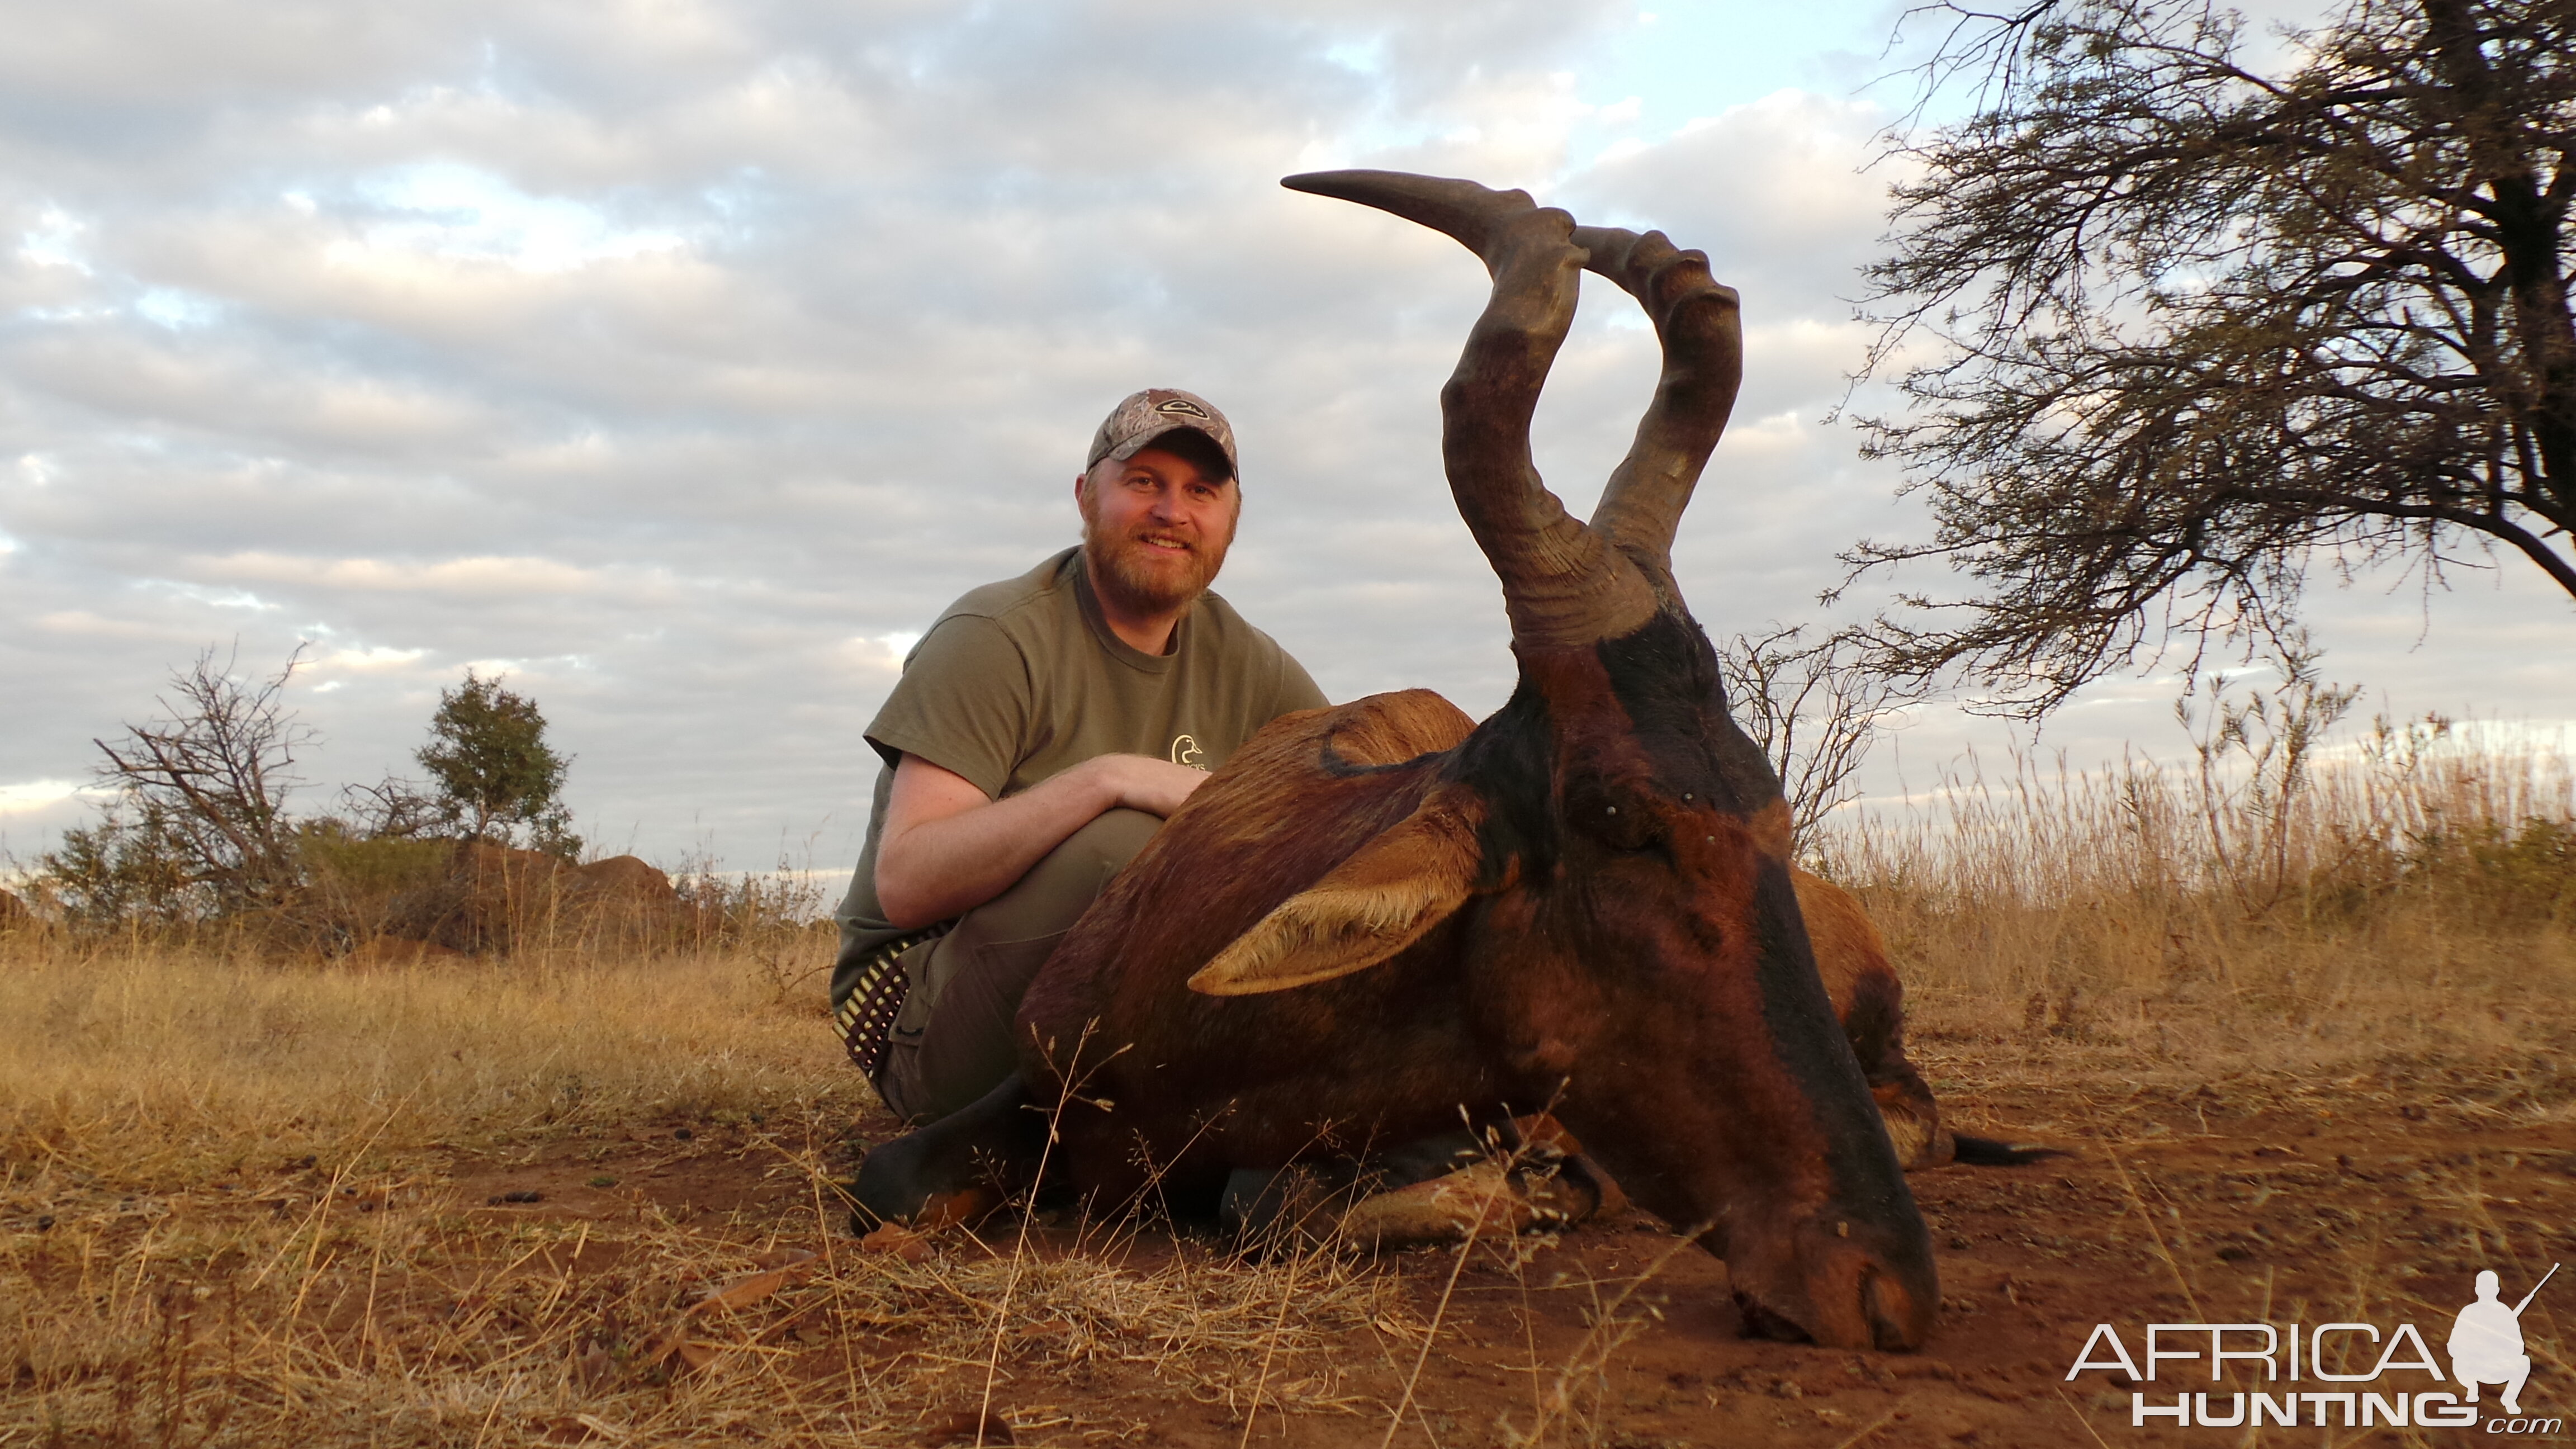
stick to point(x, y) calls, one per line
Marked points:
point(1378, 914)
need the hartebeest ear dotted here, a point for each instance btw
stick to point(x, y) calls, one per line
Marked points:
point(1413, 876)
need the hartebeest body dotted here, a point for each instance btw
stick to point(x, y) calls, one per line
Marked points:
point(1378, 914)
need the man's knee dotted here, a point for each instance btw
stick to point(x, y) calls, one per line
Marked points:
point(952, 1041)
point(1111, 839)
point(1055, 892)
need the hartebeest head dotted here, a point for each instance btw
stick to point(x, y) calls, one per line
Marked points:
point(1611, 846)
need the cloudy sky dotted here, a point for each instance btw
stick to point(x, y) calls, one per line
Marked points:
point(682, 358)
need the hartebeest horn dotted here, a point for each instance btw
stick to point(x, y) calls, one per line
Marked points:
point(1698, 322)
point(1562, 584)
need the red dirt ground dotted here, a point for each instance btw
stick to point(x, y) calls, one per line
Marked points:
point(2175, 1206)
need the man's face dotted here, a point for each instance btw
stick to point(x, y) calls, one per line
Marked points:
point(1156, 529)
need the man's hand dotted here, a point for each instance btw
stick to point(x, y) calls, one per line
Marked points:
point(1141, 782)
point(947, 847)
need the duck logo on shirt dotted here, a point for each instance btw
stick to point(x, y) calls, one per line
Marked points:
point(1186, 751)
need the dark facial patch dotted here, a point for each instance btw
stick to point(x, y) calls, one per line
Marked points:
point(1508, 760)
point(1812, 1047)
point(1614, 818)
point(1665, 680)
point(1665, 677)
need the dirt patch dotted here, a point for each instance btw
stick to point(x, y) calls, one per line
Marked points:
point(2177, 1206)
point(574, 1263)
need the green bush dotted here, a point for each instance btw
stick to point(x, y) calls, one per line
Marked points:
point(2520, 876)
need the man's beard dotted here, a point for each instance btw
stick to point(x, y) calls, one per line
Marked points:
point(1140, 580)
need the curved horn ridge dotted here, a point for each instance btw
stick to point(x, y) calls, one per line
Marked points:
point(1699, 323)
point(1563, 585)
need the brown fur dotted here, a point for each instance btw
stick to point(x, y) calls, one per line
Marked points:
point(1404, 882)
point(1320, 809)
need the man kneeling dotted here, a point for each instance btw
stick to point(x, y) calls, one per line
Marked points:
point(1042, 730)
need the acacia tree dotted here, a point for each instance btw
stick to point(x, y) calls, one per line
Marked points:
point(497, 779)
point(2193, 325)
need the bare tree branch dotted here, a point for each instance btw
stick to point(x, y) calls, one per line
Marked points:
point(212, 774)
point(2192, 326)
point(1811, 709)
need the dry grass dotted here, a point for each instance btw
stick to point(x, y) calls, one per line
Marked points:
point(2408, 901)
point(128, 1066)
point(231, 1215)
point(236, 1200)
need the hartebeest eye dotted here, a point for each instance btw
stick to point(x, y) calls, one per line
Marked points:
point(1613, 817)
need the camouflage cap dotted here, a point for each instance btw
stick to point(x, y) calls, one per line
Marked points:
point(1135, 423)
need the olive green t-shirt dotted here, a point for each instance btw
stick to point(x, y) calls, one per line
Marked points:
point(1022, 679)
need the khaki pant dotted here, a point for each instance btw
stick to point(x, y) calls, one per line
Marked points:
point(953, 1042)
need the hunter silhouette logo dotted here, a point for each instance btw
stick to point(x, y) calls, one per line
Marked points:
point(2486, 1341)
point(2485, 1347)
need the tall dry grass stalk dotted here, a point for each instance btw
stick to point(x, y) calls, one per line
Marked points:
point(230, 1214)
point(2411, 895)
point(130, 1064)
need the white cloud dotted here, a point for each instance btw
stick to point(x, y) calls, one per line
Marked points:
point(84, 625)
point(211, 598)
point(485, 577)
point(880, 656)
point(376, 660)
point(29, 796)
point(175, 308)
point(685, 357)
point(54, 241)
point(441, 208)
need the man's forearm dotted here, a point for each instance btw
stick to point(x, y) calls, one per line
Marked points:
point(930, 869)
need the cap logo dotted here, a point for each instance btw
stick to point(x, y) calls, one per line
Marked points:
point(1180, 405)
